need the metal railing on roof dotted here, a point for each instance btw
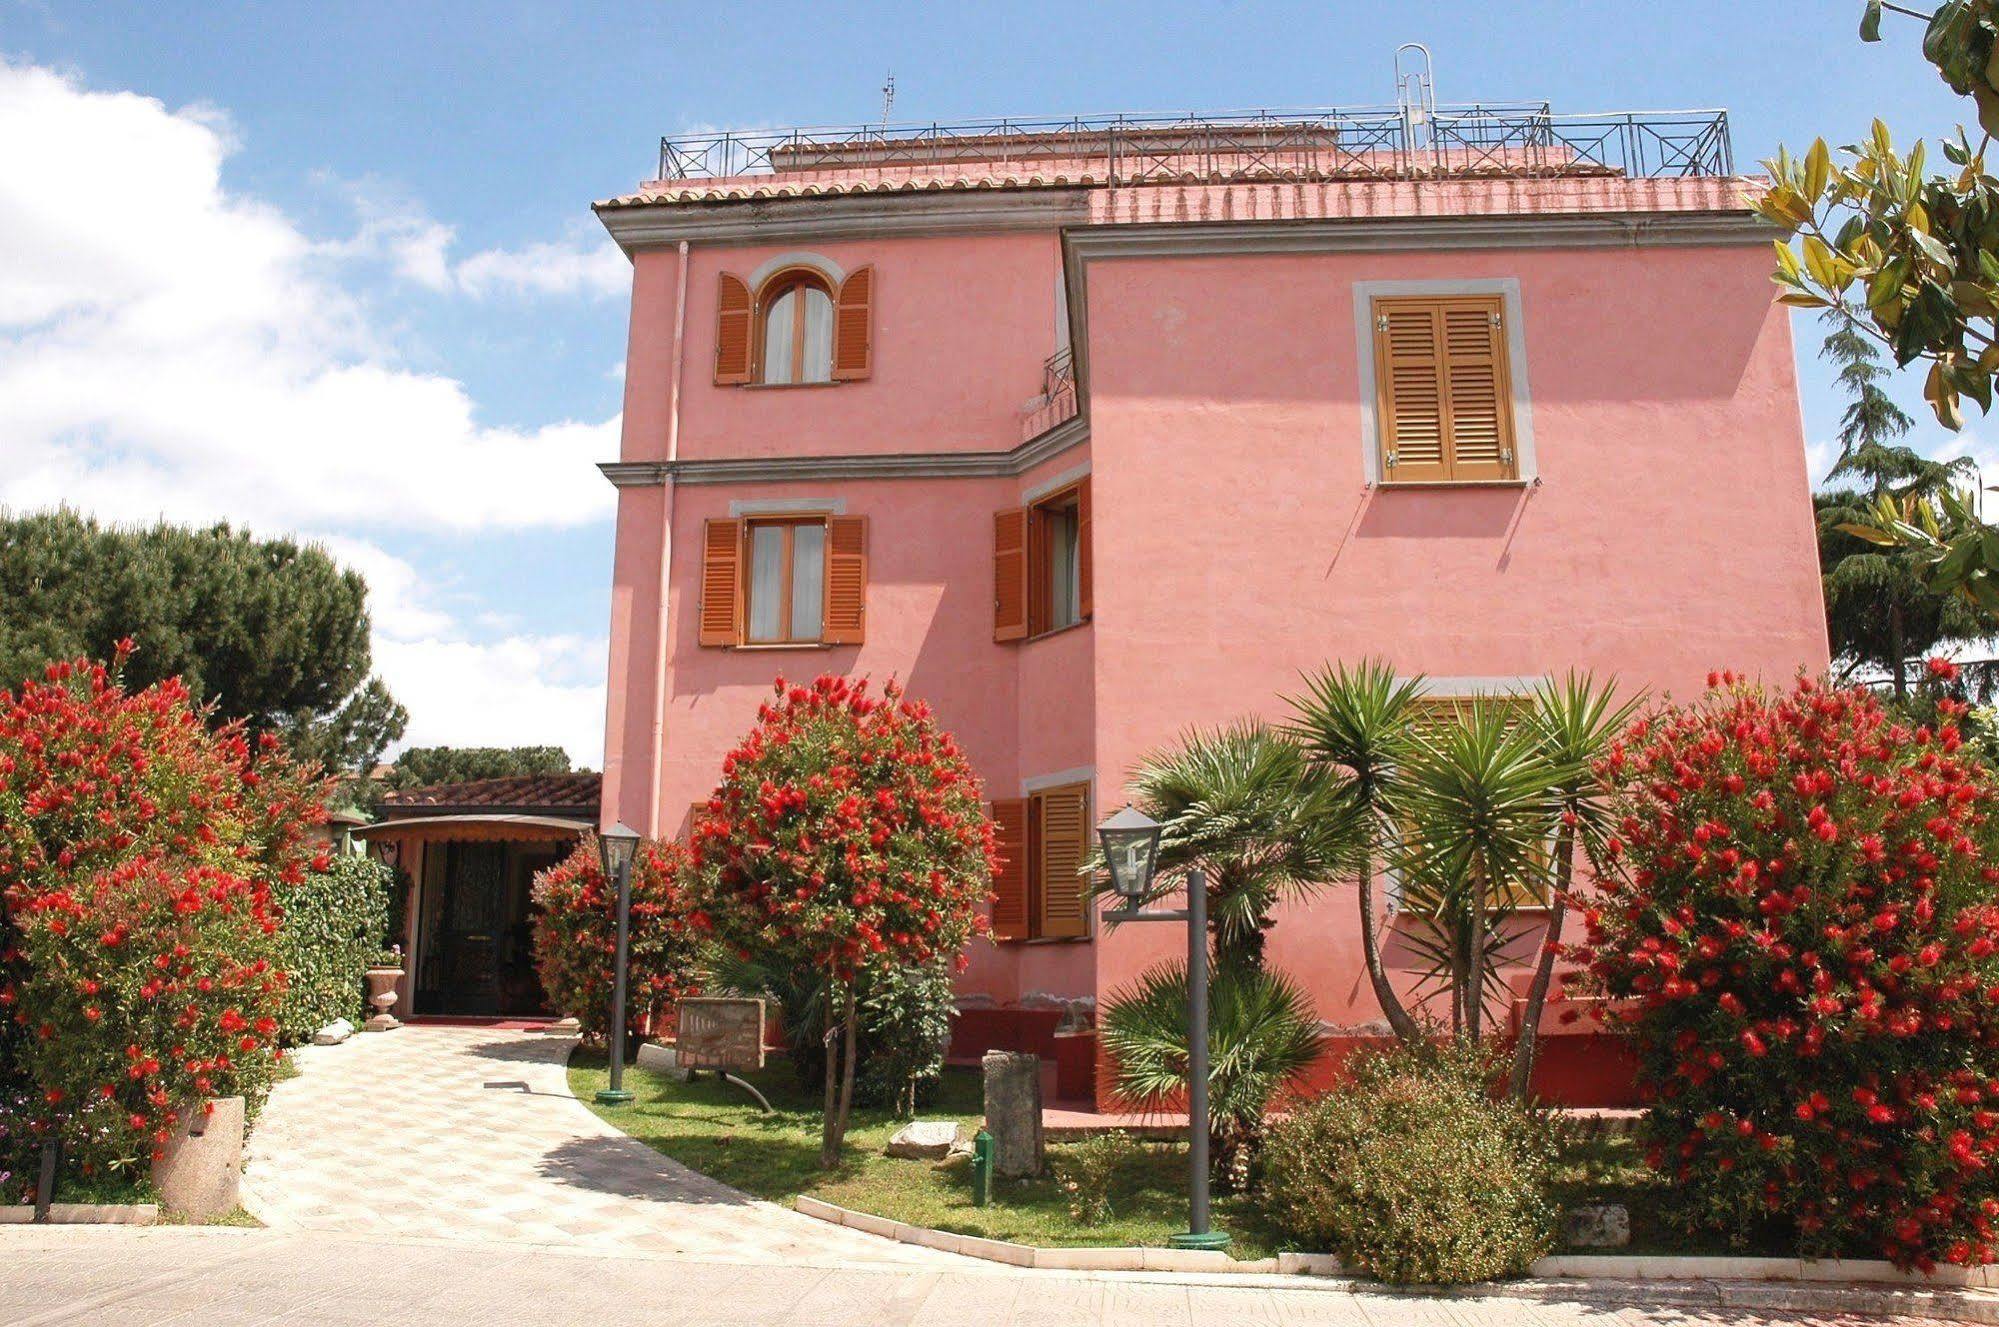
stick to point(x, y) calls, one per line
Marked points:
point(1512, 139)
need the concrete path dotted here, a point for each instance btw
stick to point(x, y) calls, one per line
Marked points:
point(223, 1278)
point(471, 1133)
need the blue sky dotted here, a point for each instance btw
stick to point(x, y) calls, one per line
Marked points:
point(331, 269)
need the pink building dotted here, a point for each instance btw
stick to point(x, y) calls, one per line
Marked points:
point(1098, 431)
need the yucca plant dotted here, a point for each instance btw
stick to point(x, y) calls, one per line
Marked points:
point(1244, 805)
point(1575, 720)
point(1262, 1033)
point(1478, 807)
point(1355, 725)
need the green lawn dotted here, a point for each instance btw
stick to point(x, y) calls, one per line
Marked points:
point(716, 1129)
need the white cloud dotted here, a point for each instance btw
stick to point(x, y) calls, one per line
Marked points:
point(168, 347)
point(576, 267)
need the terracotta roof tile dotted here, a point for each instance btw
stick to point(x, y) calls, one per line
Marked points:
point(571, 794)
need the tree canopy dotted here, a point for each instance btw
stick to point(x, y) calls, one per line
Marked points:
point(268, 631)
point(421, 765)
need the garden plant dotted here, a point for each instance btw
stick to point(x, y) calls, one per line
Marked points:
point(847, 837)
point(576, 935)
point(1803, 942)
point(140, 851)
point(334, 924)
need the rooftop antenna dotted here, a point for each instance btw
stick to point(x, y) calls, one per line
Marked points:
point(1415, 91)
point(888, 97)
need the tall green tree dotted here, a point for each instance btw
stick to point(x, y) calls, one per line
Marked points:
point(1880, 608)
point(420, 765)
point(268, 631)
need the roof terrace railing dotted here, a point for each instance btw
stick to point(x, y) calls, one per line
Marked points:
point(1513, 139)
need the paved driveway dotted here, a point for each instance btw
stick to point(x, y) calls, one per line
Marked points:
point(472, 1134)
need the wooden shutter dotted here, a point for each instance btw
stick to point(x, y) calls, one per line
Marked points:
point(1478, 391)
point(1085, 560)
point(722, 583)
point(1065, 846)
point(853, 326)
point(1010, 574)
point(1409, 386)
point(732, 332)
point(1010, 879)
point(1443, 391)
point(846, 579)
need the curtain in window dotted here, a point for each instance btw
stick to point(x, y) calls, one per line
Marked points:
point(818, 360)
point(1063, 595)
point(777, 336)
point(808, 581)
point(767, 581)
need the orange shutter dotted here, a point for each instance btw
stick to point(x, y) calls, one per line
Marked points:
point(1065, 840)
point(1086, 563)
point(846, 579)
point(722, 583)
point(1010, 574)
point(853, 326)
point(1409, 386)
point(1010, 880)
point(732, 332)
point(1478, 392)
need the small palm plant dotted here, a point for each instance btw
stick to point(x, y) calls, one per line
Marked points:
point(1243, 805)
point(1355, 725)
point(1262, 1034)
point(1575, 720)
point(1477, 805)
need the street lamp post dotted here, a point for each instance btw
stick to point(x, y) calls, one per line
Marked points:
point(1130, 841)
point(617, 846)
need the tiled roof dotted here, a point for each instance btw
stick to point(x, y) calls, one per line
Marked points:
point(559, 794)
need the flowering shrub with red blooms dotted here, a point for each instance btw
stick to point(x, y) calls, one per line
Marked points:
point(1803, 937)
point(576, 934)
point(847, 835)
point(138, 853)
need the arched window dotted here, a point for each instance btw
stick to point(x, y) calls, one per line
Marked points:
point(795, 329)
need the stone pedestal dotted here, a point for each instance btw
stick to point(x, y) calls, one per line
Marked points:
point(1013, 1112)
point(202, 1169)
point(382, 996)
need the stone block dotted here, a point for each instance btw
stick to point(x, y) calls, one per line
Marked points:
point(925, 1140)
point(1013, 1112)
point(1601, 1226)
point(333, 1033)
point(661, 1060)
point(200, 1175)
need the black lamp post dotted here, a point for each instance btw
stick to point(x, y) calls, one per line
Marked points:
point(1130, 842)
point(617, 846)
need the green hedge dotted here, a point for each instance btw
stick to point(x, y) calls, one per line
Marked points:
point(335, 926)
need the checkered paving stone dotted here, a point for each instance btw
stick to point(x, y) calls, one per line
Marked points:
point(471, 1133)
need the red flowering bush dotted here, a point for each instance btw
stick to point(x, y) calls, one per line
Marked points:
point(138, 852)
point(576, 934)
point(1804, 941)
point(847, 838)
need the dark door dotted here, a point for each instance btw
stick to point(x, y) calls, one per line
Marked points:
point(473, 929)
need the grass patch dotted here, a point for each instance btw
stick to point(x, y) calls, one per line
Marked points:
point(716, 1129)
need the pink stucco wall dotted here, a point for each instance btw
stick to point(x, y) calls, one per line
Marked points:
point(1236, 539)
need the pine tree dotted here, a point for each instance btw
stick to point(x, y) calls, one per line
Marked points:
point(1879, 612)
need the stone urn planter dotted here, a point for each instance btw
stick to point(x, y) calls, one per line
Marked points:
point(382, 979)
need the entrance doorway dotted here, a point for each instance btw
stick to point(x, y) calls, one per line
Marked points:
point(475, 953)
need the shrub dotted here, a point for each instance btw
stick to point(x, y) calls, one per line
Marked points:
point(1805, 947)
point(1415, 1171)
point(846, 838)
point(1094, 1173)
point(576, 934)
point(138, 854)
point(334, 925)
point(905, 1030)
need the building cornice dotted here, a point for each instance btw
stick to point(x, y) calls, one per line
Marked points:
point(1536, 231)
point(889, 465)
point(866, 216)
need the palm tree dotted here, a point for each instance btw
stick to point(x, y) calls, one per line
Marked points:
point(1575, 721)
point(1262, 1034)
point(1880, 610)
point(1243, 805)
point(1354, 724)
point(1478, 803)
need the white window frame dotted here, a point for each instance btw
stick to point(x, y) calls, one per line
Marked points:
point(1365, 293)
